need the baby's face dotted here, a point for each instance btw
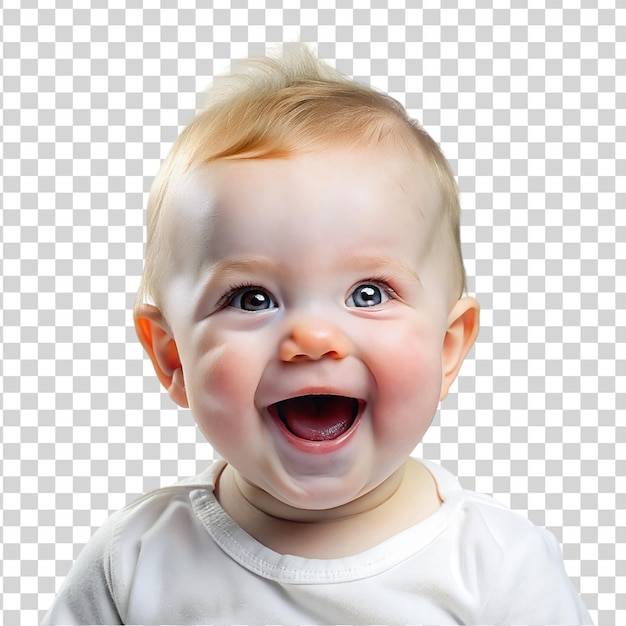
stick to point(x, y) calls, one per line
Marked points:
point(309, 310)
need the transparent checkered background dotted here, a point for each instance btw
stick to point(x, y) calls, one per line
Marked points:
point(529, 106)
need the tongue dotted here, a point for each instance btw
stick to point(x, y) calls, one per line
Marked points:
point(318, 418)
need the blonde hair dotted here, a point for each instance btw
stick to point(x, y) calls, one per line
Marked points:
point(273, 107)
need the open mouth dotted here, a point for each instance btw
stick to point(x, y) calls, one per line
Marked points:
point(317, 417)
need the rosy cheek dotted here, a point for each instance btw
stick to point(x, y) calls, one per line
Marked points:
point(222, 383)
point(413, 364)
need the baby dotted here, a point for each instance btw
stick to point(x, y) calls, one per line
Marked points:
point(303, 296)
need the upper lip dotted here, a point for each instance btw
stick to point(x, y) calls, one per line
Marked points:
point(315, 391)
point(276, 405)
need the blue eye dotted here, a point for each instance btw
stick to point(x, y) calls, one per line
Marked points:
point(251, 299)
point(367, 295)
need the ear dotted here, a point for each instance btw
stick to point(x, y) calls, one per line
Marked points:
point(156, 338)
point(463, 324)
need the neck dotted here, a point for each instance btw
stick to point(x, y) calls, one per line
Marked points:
point(264, 503)
point(405, 498)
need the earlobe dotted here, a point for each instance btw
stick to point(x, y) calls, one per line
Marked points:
point(156, 338)
point(463, 325)
point(177, 388)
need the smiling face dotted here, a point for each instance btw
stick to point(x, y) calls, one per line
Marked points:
point(308, 308)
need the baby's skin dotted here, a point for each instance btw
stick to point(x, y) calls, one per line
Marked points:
point(311, 323)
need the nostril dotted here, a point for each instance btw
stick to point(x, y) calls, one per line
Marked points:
point(313, 341)
point(296, 356)
point(332, 354)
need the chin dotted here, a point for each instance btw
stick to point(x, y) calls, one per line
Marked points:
point(322, 493)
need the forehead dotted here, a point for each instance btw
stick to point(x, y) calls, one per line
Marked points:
point(325, 186)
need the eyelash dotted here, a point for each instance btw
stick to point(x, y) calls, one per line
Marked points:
point(233, 291)
point(383, 282)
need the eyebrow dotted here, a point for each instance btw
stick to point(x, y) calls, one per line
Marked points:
point(226, 268)
point(384, 264)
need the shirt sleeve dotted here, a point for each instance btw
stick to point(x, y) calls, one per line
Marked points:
point(533, 587)
point(86, 594)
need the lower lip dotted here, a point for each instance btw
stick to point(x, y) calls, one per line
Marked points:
point(325, 446)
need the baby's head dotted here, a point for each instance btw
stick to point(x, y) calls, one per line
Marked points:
point(274, 108)
point(305, 277)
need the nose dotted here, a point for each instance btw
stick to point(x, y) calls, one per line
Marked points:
point(312, 341)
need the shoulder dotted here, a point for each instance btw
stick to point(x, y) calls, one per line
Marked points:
point(478, 515)
point(155, 533)
point(167, 505)
point(155, 525)
point(154, 505)
point(489, 530)
point(515, 567)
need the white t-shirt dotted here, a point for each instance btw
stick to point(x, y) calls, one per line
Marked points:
point(175, 557)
